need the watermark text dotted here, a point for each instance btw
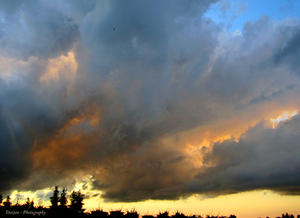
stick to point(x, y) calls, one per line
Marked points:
point(26, 212)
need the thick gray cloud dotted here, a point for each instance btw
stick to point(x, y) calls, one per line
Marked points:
point(146, 74)
point(15, 143)
point(289, 51)
point(32, 29)
point(263, 158)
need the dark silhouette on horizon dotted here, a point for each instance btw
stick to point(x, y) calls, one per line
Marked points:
point(59, 207)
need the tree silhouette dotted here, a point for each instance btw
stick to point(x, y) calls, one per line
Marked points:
point(7, 202)
point(54, 199)
point(63, 199)
point(76, 201)
point(1, 198)
point(29, 204)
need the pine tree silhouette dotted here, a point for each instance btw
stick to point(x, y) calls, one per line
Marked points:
point(63, 199)
point(54, 199)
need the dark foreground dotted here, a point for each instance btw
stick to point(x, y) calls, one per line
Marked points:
point(59, 207)
point(21, 211)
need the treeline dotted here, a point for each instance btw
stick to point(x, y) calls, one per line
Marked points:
point(60, 207)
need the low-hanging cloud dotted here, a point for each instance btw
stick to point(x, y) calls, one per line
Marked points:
point(128, 92)
point(263, 158)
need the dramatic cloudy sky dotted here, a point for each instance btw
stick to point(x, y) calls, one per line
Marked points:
point(150, 100)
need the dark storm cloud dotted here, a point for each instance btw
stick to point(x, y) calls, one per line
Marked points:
point(29, 111)
point(232, 81)
point(263, 158)
point(290, 50)
point(146, 175)
point(36, 29)
point(27, 116)
point(15, 144)
point(141, 47)
point(122, 33)
point(147, 72)
point(31, 28)
point(30, 104)
point(272, 96)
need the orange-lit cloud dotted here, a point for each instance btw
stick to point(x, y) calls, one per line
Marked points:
point(61, 67)
point(71, 142)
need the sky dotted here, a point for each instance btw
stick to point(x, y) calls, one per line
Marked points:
point(154, 105)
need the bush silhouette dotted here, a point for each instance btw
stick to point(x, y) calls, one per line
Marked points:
point(116, 214)
point(99, 213)
point(288, 215)
point(132, 214)
point(179, 215)
point(148, 216)
point(163, 215)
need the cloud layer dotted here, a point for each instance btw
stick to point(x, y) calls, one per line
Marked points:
point(145, 98)
point(263, 158)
